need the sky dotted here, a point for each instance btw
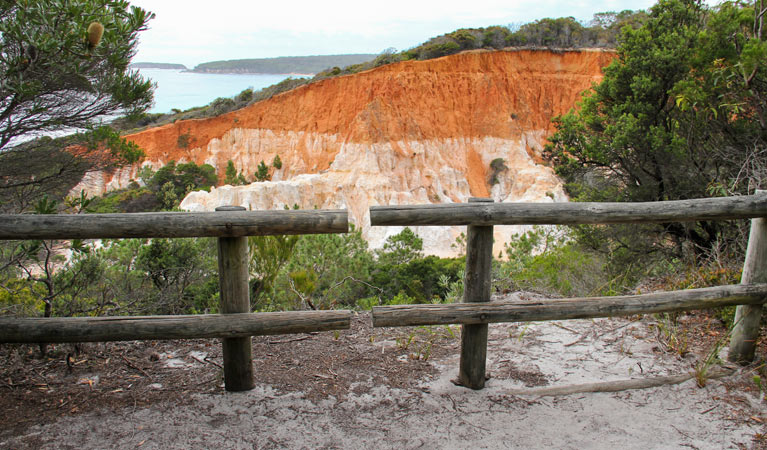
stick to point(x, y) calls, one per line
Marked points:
point(183, 32)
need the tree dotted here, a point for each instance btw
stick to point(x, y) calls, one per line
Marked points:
point(268, 255)
point(41, 261)
point(277, 162)
point(262, 172)
point(230, 176)
point(327, 270)
point(401, 248)
point(175, 266)
point(64, 66)
point(679, 114)
point(173, 181)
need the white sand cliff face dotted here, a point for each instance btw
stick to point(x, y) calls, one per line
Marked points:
point(364, 175)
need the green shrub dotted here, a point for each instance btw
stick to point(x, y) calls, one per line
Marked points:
point(402, 299)
point(367, 303)
point(20, 297)
point(183, 140)
point(546, 260)
point(245, 96)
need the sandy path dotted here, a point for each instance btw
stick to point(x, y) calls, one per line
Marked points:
point(436, 414)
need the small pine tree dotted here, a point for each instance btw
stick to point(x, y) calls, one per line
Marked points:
point(230, 174)
point(262, 173)
point(277, 162)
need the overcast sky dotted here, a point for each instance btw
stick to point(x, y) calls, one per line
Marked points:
point(183, 32)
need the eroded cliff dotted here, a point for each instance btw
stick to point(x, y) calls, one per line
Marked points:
point(407, 133)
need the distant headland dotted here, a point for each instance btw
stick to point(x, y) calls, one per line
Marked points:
point(154, 65)
point(283, 64)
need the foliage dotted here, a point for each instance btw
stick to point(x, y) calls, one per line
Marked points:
point(131, 276)
point(262, 172)
point(716, 268)
point(277, 162)
point(53, 167)
point(401, 248)
point(183, 272)
point(670, 335)
point(245, 96)
point(139, 199)
point(268, 255)
point(41, 261)
point(425, 279)
point(336, 269)
point(20, 297)
point(183, 140)
point(566, 32)
point(402, 270)
point(679, 114)
point(221, 105)
point(163, 191)
point(232, 177)
point(176, 180)
point(460, 244)
point(55, 80)
point(545, 259)
point(497, 166)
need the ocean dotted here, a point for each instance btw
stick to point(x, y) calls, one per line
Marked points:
point(184, 90)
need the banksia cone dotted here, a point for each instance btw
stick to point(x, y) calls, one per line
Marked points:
point(95, 32)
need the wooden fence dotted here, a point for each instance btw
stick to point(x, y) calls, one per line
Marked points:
point(476, 312)
point(236, 324)
point(231, 225)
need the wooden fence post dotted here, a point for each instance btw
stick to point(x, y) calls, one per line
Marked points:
point(235, 298)
point(748, 317)
point(476, 288)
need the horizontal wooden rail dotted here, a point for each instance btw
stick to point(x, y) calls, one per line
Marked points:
point(93, 329)
point(570, 308)
point(721, 208)
point(172, 224)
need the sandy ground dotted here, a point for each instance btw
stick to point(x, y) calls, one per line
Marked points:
point(426, 410)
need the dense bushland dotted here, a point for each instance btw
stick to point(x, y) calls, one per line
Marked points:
point(679, 114)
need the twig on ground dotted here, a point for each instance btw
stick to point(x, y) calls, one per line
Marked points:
point(283, 341)
point(583, 336)
point(597, 336)
point(564, 327)
point(615, 386)
point(206, 360)
point(132, 365)
point(206, 381)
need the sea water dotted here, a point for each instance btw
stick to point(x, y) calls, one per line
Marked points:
point(183, 90)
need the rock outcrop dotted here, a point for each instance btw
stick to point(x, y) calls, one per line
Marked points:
point(408, 133)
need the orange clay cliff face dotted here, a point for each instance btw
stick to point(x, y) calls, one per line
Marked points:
point(414, 132)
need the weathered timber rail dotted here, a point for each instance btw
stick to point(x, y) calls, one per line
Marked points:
point(223, 223)
point(569, 308)
point(134, 328)
point(477, 311)
point(722, 208)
